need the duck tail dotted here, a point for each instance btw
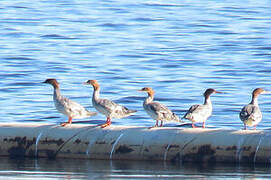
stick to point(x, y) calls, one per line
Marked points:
point(92, 113)
point(187, 116)
point(131, 111)
point(176, 117)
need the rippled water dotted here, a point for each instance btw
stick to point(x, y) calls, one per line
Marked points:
point(179, 48)
point(81, 169)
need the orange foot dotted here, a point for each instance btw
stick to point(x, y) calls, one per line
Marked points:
point(106, 124)
point(64, 124)
point(193, 125)
point(153, 126)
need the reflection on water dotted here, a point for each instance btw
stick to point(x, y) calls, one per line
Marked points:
point(82, 169)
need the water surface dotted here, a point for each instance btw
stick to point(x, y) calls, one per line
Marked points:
point(177, 48)
point(82, 169)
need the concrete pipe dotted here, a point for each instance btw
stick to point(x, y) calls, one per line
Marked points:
point(135, 143)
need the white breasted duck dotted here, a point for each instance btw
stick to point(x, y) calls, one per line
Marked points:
point(199, 113)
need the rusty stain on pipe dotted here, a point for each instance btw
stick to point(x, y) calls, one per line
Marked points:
point(168, 147)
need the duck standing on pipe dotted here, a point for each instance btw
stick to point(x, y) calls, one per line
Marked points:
point(107, 107)
point(251, 114)
point(199, 113)
point(67, 106)
point(157, 111)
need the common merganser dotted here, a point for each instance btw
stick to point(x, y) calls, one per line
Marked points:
point(157, 111)
point(201, 112)
point(251, 114)
point(107, 107)
point(67, 106)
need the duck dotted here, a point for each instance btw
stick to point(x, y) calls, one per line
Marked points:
point(156, 110)
point(66, 106)
point(251, 114)
point(199, 113)
point(107, 107)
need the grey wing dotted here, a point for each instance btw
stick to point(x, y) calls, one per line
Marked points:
point(250, 111)
point(107, 104)
point(198, 113)
point(161, 110)
point(192, 109)
point(246, 112)
point(156, 107)
point(72, 106)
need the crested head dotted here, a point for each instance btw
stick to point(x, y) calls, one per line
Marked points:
point(210, 91)
point(94, 83)
point(149, 90)
point(53, 82)
point(258, 91)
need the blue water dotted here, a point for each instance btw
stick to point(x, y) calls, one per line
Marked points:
point(179, 48)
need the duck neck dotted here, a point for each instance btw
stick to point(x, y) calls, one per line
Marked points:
point(57, 94)
point(207, 100)
point(149, 99)
point(96, 93)
point(254, 100)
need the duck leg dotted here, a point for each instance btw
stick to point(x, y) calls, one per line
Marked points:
point(203, 124)
point(161, 124)
point(107, 123)
point(245, 127)
point(156, 124)
point(193, 125)
point(255, 127)
point(66, 123)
